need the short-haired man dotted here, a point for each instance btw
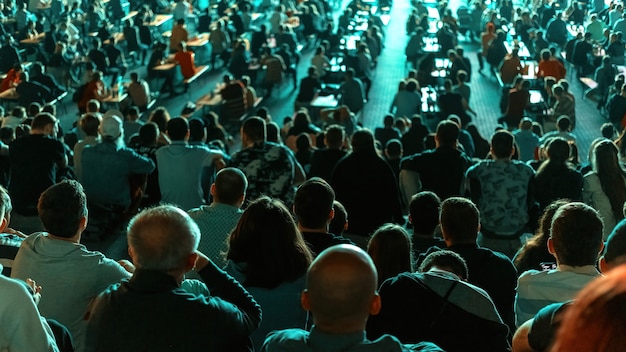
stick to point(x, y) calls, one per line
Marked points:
point(271, 168)
point(440, 170)
point(88, 124)
point(313, 207)
point(55, 259)
point(489, 270)
point(151, 312)
point(424, 215)
point(575, 242)
point(36, 159)
point(108, 165)
point(183, 168)
point(501, 188)
point(341, 294)
point(537, 334)
point(216, 221)
point(324, 159)
point(427, 305)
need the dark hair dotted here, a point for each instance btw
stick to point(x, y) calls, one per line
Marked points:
point(459, 219)
point(197, 130)
point(267, 239)
point(445, 260)
point(272, 132)
point(557, 162)
point(363, 142)
point(424, 210)
point(230, 185)
point(313, 203)
point(160, 116)
point(254, 128)
point(89, 123)
point(61, 208)
point(502, 143)
point(338, 223)
point(447, 133)
point(563, 123)
point(42, 120)
point(335, 136)
point(177, 128)
point(148, 134)
point(390, 249)
point(576, 234)
point(607, 167)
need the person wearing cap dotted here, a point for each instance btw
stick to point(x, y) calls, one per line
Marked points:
point(36, 160)
point(108, 165)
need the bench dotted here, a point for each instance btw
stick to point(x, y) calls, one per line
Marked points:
point(200, 70)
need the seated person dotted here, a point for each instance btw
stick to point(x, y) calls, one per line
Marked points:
point(31, 91)
point(139, 92)
point(12, 78)
point(185, 59)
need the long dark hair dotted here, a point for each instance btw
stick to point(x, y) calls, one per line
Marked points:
point(611, 175)
point(268, 241)
point(557, 162)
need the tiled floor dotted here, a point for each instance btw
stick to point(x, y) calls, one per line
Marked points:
point(391, 69)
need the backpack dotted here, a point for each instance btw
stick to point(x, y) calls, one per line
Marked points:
point(78, 94)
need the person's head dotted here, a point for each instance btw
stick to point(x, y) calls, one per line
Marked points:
point(178, 129)
point(334, 136)
point(545, 54)
point(45, 124)
point(164, 239)
point(313, 204)
point(558, 150)
point(563, 123)
point(393, 149)
point(596, 320)
point(93, 106)
point(34, 108)
point(160, 116)
point(272, 132)
point(390, 249)
point(253, 130)
point(576, 235)
point(62, 209)
point(341, 290)
point(111, 127)
point(447, 134)
point(89, 123)
point(460, 220)
point(230, 187)
point(268, 240)
point(608, 131)
point(339, 222)
point(614, 249)
point(445, 260)
point(5, 208)
point(526, 124)
point(363, 142)
point(197, 130)
point(7, 135)
point(149, 134)
point(424, 213)
point(502, 144)
point(388, 121)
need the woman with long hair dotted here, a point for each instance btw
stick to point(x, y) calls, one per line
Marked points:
point(390, 249)
point(557, 178)
point(535, 251)
point(604, 188)
point(301, 124)
point(269, 257)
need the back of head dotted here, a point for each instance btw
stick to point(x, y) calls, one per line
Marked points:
point(558, 150)
point(272, 132)
point(447, 133)
point(388, 120)
point(447, 261)
point(267, 239)
point(335, 136)
point(177, 128)
point(563, 123)
point(61, 208)
point(390, 249)
point(526, 124)
point(313, 203)
point(89, 123)
point(197, 130)
point(42, 120)
point(341, 284)
point(339, 223)
point(363, 142)
point(597, 319)
point(502, 144)
point(254, 128)
point(230, 186)
point(615, 248)
point(576, 234)
point(424, 212)
point(162, 238)
point(148, 134)
point(459, 220)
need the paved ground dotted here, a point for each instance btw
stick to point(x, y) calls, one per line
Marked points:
point(391, 69)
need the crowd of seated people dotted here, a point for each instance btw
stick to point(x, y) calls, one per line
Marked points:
point(502, 245)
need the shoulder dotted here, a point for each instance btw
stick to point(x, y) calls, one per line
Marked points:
point(288, 340)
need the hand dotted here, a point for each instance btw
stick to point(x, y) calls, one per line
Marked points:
point(36, 290)
point(128, 266)
point(202, 261)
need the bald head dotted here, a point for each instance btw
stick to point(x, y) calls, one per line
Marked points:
point(341, 289)
point(162, 238)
